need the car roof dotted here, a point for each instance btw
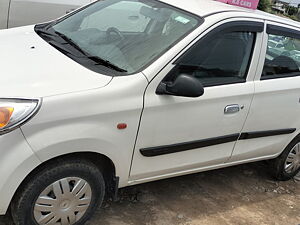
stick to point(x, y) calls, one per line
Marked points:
point(204, 8)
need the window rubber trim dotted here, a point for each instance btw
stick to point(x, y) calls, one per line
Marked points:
point(279, 76)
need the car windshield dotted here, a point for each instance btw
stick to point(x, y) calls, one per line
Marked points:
point(125, 35)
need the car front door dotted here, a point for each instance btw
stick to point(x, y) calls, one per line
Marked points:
point(179, 135)
point(26, 12)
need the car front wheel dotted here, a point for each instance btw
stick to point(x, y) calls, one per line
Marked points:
point(65, 193)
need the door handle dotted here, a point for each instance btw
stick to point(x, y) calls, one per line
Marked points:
point(231, 109)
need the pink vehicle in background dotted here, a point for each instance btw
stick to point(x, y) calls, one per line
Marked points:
point(251, 4)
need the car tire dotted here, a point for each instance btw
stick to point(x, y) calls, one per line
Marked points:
point(287, 165)
point(64, 192)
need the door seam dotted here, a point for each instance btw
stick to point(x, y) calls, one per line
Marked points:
point(253, 95)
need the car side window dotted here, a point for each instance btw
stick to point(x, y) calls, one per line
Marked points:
point(282, 57)
point(221, 59)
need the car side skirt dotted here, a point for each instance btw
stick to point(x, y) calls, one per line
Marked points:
point(198, 170)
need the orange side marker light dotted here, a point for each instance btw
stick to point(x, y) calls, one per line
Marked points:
point(5, 115)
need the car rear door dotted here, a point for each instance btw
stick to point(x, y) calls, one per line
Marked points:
point(4, 6)
point(180, 135)
point(273, 119)
point(26, 12)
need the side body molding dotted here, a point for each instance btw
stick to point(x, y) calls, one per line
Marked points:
point(180, 147)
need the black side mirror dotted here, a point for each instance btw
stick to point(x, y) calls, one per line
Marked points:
point(184, 86)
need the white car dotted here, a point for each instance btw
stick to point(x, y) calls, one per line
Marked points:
point(124, 92)
point(15, 13)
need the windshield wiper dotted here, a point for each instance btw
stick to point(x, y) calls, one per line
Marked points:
point(106, 63)
point(96, 59)
point(62, 49)
point(71, 42)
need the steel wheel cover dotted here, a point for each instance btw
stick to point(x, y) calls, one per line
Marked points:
point(292, 163)
point(64, 202)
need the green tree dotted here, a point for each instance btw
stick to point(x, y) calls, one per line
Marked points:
point(292, 10)
point(264, 5)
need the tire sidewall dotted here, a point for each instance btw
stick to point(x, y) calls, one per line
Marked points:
point(282, 174)
point(47, 177)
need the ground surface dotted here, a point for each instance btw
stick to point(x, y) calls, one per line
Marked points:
point(238, 195)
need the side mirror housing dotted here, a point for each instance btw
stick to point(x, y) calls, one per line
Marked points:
point(184, 86)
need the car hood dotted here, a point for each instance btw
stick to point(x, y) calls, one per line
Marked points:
point(30, 67)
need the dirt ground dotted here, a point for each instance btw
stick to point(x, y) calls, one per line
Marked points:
point(238, 195)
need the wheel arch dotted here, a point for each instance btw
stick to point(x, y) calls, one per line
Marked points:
point(102, 162)
point(291, 140)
